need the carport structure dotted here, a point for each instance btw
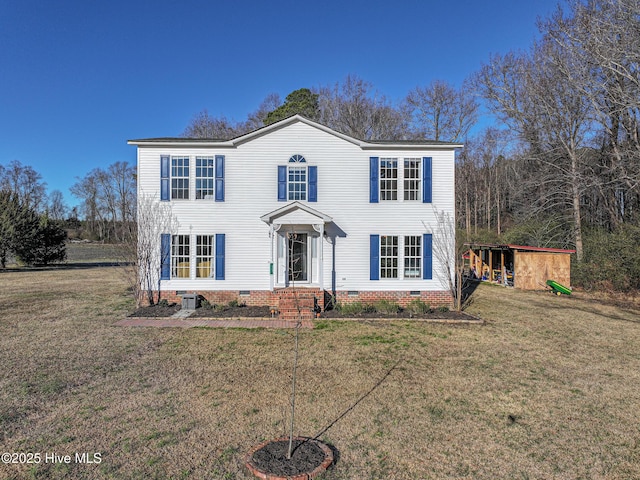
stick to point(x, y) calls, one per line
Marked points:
point(520, 266)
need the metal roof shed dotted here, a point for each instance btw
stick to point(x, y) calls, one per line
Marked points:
point(520, 266)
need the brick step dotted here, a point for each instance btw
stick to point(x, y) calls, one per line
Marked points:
point(294, 304)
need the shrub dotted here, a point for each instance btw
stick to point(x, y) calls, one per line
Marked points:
point(354, 308)
point(385, 306)
point(417, 307)
point(443, 308)
point(236, 303)
point(610, 261)
point(206, 304)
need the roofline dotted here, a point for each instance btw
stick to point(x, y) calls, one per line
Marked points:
point(519, 247)
point(234, 142)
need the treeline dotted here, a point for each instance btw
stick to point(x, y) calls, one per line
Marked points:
point(108, 203)
point(437, 111)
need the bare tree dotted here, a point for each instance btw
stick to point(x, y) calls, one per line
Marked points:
point(448, 254)
point(603, 39)
point(442, 113)
point(256, 119)
point(294, 270)
point(25, 183)
point(57, 208)
point(142, 253)
point(108, 200)
point(531, 95)
point(203, 125)
point(353, 108)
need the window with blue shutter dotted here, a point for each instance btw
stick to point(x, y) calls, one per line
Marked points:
point(297, 181)
point(219, 178)
point(426, 179)
point(220, 256)
point(427, 256)
point(282, 183)
point(373, 180)
point(313, 183)
point(164, 177)
point(374, 257)
point(165, 256)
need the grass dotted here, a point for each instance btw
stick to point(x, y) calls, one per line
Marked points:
point(548, 388)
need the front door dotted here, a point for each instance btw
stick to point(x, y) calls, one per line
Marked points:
point(298, 249)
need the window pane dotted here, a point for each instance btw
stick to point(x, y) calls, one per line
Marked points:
point(412, 256)
point(204, 256)
point(180, 258)
point(179, 177)
point(412, 179)
point(297, 185)
point(205, 178)
point(388, 179)
point(388, 257)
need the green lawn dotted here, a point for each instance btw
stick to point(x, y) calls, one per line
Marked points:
point(548, 388)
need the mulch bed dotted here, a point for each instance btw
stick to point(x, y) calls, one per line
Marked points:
point(156, 311)
point(232, 312)
point(307, 456)
point(403, 315)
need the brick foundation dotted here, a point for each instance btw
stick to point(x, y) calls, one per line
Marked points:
point(284, 299)
point(402, 298)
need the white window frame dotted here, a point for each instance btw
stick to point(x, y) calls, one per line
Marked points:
point(205, 184)
point(180, 254)
point(388, 181)
point(205, 252)
point(389, 253)
point(412, 258)
point(297, 187)
point(412, 179)
point(180, 178)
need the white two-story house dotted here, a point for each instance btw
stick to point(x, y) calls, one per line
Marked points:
point(298, 204)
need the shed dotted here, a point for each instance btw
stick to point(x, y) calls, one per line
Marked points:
point(520, 266)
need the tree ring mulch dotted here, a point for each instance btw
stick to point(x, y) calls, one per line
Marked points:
point(309, 459)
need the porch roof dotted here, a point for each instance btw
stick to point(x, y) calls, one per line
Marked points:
point(296, 213)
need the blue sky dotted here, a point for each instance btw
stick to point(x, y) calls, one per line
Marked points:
point(78, 78)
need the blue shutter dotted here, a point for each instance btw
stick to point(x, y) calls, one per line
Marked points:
point(165, 256)
point(282, 183)
point(427, 256)
point(219, 256)
point(164, 177)
point(426, 180)
point(313, 183)
point(219, 178)
point(374, 257)
point(373, 179)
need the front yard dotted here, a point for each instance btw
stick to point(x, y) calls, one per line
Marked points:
point(549, 387)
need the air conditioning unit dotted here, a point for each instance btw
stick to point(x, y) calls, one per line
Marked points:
point(189, 301)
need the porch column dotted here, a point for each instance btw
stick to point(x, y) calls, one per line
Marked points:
point(320, 229)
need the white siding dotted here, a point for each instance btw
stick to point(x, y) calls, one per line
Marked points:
point(343, 194)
